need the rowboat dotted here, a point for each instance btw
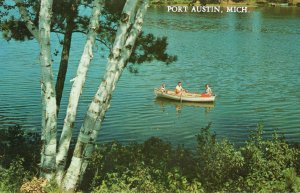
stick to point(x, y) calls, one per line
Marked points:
point(168, 102)
point(184, 97)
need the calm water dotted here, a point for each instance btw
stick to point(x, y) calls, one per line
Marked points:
point(251, 61)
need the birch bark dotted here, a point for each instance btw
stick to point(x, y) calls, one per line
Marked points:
point(75, 170)
point(76, 90)
point(121, 52)
point(49, 119)
point(125, 55)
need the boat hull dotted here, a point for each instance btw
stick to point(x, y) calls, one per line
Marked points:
point(186, 97)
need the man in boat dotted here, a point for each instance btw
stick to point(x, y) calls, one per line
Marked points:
point(179, 89)
point(208, 91)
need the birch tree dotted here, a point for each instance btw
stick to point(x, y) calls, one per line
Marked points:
point(76, 91)
point(53, 154)
point(81, 152)
point(119, 57)
point(101, 102)
point(49, 120)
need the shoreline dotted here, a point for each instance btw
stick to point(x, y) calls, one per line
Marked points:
point(230, 3)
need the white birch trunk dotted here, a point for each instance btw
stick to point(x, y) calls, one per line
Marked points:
point(49, 120)
point(76, 91)
point(24, 15)
point(76, 168)
point(101, 102)
point(125, 55)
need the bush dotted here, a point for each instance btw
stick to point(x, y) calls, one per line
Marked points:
point(14, 143)
point(260, 165)
point(19, 157)
point(142, 180)
point(218, 163)
point(12, 178)
point(265, 163)
point(149, 167)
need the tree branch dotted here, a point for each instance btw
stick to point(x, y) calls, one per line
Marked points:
point(83, 32)
point(104, 43)
point(29, 24)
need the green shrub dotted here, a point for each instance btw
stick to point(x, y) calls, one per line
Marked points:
point(142, 180)
point(12, 178)
point(19, 157)
point(218, 163)
point(266, 161)
point(260, 165)
point(149, 167)
point(14, 143)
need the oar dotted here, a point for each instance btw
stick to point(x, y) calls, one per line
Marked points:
point(181, 97)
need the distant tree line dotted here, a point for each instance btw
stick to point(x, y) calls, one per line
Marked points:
point(205, 2)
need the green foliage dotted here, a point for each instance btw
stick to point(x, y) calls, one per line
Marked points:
point(74, 16)
point(149, 48)
point(265, 161)
point(15, 30)
point(170, 2)
point(239, 1)
point(218, 163)
point(149, 167)
point(52, 187)
point(14, 143)
point(138, 180)
point(141, 179)
point(292, 181)
point(12, 178)
point(260, 165)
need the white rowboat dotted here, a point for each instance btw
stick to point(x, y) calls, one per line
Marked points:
point(188, 97)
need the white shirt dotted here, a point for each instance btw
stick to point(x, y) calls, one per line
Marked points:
point(178, 87)
point(208, 90)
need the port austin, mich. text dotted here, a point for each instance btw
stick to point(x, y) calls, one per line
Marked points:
point(207, 9)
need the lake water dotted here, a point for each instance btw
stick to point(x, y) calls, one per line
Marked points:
point(251, 61)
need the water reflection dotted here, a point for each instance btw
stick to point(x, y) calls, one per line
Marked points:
point(253, 55)
point(163, 103)
point(256, 20)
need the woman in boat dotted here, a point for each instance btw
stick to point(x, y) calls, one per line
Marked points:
point(163, 88)
point(208, 91)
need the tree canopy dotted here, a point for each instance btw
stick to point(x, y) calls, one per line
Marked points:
point(70, 17)
point(148, 47)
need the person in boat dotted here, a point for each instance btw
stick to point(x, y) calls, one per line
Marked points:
point(163, 88)
point(179, 89)
point(208, 91)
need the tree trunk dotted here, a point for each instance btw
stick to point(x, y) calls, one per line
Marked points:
point(121, 52)
point(125, 55)
point(63, 66)
point(29, 24)
point(49, 119)
point(76, 91)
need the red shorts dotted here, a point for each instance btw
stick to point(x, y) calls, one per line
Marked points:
point(205, 95)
